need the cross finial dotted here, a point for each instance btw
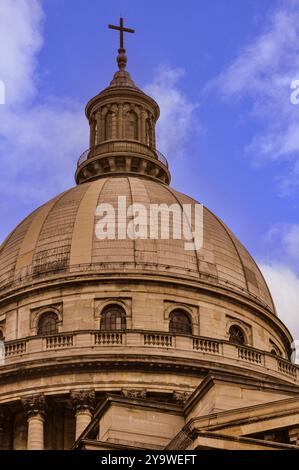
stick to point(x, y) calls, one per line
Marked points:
point(121, 59)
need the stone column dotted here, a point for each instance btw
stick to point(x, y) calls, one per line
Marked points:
point(3, 426)
point(120, 122)
point(143, 116)
point(83, 404)
point(92, 140)
point(114, 109)
point(100, 127)
point(153, 133)
point(138, 113)
point(35, 407)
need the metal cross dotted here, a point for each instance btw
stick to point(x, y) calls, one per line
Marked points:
point(121, 30)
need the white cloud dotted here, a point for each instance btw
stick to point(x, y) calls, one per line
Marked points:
point(263, 71)
point(284, 286)
point(21, 39)
point(291, 241)
point(282, 274)
point(39, 143)
point(283, 239)
point(177, 111)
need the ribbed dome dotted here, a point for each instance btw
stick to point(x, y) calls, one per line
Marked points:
point(60, 237)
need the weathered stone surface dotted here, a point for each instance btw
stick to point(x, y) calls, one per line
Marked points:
point(157, 383)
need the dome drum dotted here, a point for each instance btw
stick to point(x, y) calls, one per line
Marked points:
point(122, 157)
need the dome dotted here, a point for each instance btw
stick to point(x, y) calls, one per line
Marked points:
point(148, 330)
point(60, 237)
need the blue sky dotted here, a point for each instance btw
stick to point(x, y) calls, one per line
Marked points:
point(221, 71)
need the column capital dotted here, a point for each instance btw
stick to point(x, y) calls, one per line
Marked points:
point(34, 405)
point(180, 397)
point(83, 400)
point(134, 393)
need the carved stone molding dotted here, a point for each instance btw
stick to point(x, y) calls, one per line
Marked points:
point(181, 397)
point(83, 400)
point(37, 313)
point(134, 393)
point(294, 435)
point(34, 405)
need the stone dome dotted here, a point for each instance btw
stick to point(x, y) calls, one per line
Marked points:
point(84, 318)
point(59, 238)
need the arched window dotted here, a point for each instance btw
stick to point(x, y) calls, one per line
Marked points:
point(236, 335)
point(113, 318)
point(149, 133)
point(48, 324)
point(131, 126)
point(108, 126)
point(93, 133)
point(275, 349)
point(180, 323)
point(1, 335)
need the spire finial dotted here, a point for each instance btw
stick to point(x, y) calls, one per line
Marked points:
point(121, 58)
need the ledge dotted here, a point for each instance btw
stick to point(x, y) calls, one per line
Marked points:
point(145, 344)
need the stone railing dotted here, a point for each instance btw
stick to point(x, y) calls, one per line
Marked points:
point(250, 355)
point(162, 158)
point(196, 348)
point(83, 157)
point(287, 368)
point(164, 341)
point(122, 146)
point(108, 339)
point(206, 345)
point(59, 341)
point(15, 348)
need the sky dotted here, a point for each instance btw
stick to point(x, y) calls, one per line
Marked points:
point(221, 71)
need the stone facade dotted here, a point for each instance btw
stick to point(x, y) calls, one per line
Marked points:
point(93, 359)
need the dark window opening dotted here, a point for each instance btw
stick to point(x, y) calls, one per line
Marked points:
point(113, 318)
point(48, 324)
point(236, 335)
point(108, 126)
point(180, 323)
point(132, 126)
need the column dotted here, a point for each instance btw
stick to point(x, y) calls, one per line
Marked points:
point(35, 407)
point(114, 109)
point(153, 133)
point(92, 140)
point(143, 116)
point(120, 122)
point(3, 426)
point(83, 404)
point(138, 113)
point(100, 127)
